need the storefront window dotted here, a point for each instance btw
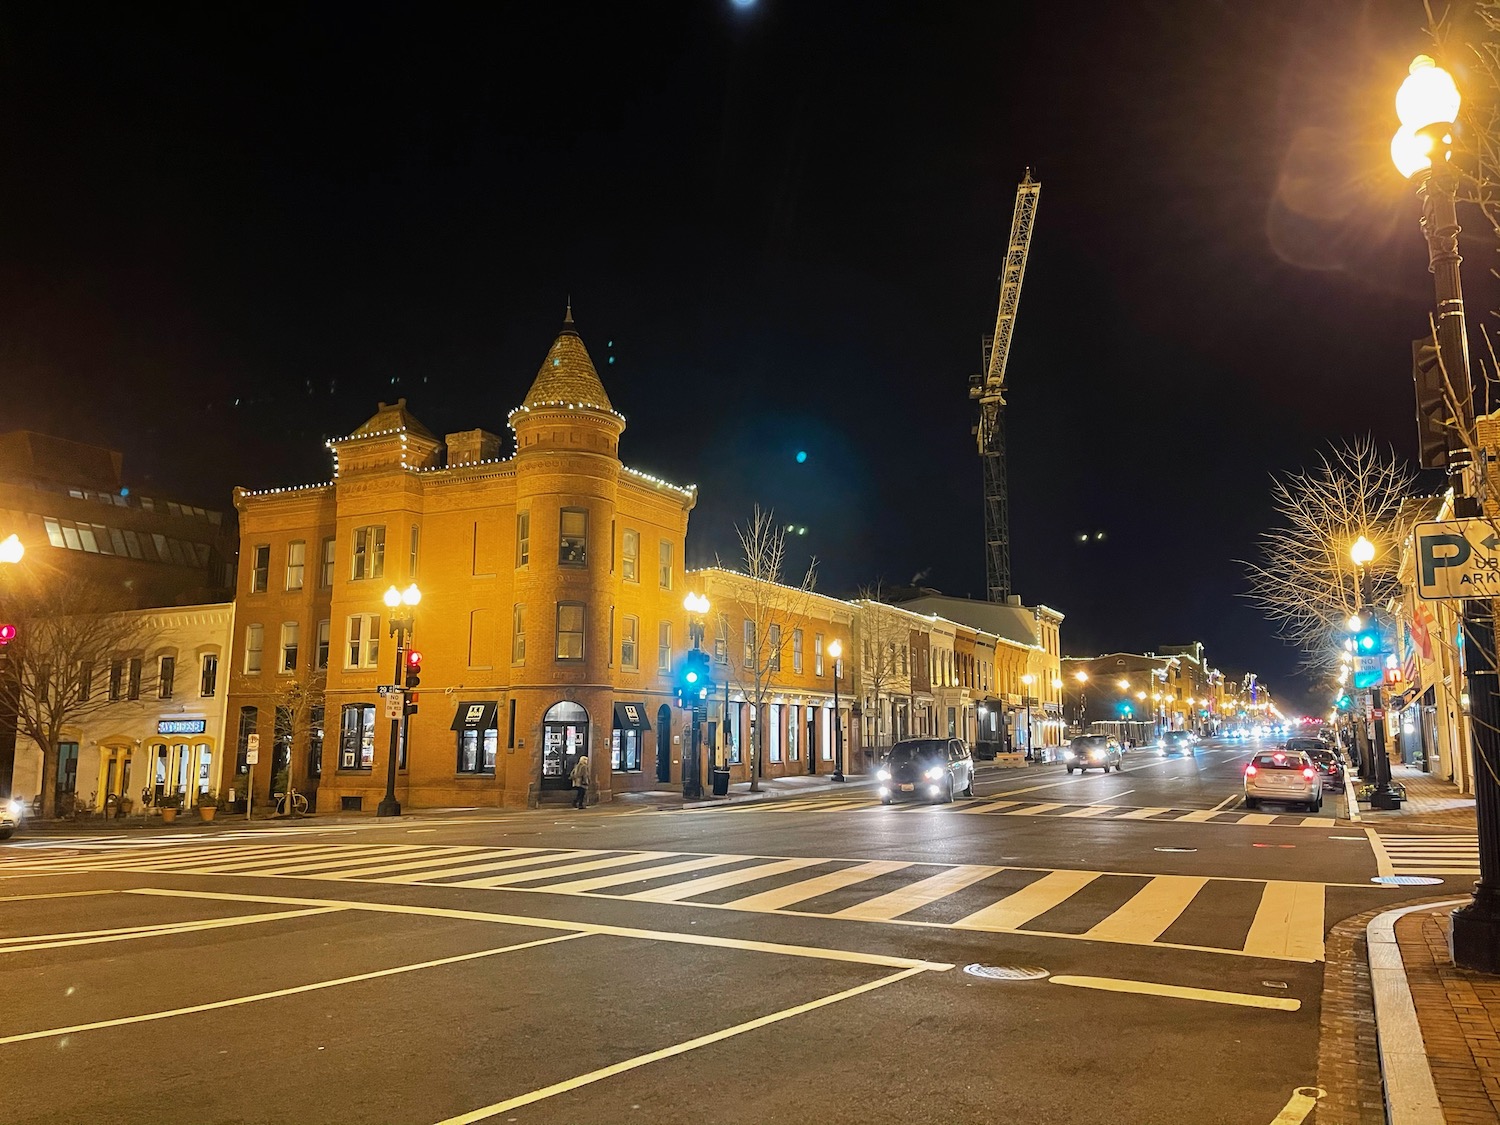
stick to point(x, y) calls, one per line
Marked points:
point(476, 750)
point(357, 736)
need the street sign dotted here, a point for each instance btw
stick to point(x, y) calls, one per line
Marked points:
point(251, 757)
point(394, 701)
point(386, 689)
point(1368, 663)
point(252, 742)
point(1457, 559)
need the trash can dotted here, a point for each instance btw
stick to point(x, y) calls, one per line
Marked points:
point(721, 783)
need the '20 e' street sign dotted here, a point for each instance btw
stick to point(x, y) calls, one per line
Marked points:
point(1457, 559)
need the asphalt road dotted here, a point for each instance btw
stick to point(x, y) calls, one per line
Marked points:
point(1142, 951)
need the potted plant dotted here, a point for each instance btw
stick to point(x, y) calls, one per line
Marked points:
point(169, 804)
point(208, 805)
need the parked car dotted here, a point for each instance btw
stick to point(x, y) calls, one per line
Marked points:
point(12, 809)
point(1177, 742)
point(1093, 751)
point(1283, 775)
point(926, 769)
point(1328, 763)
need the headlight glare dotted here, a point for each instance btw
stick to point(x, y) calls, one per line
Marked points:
point(883, 775)
point(935, 772)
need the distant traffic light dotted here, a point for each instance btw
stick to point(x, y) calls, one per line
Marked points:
point(1343, 702)
point(413, 669)
point(7, 634)
point(693, 679)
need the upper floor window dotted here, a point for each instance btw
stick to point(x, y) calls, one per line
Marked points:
point(260, 568)
point(166, 672)
point(133, 687)
point(369, 553)
point(749, 643)
point(328, 550)
point(570, 630)
point(775, 641)
point(85, 681)
point(518, 634)
point(630, 636)
point(116, 679)
point(664, 647)
point(573, 537)
point(523, 538)
point(291, 632)
point(817, 654)
point(208, 675)
point(721, 639)
point(797, 651)
point(664, 560)
point(324, 639)
point(296, 559)
point(362, 634)
point(631, 555)
point(255, 641)
point(411, 563)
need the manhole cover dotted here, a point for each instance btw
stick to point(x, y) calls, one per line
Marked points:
point(1007, 972)
point(1176, 849)
point(1405, 880)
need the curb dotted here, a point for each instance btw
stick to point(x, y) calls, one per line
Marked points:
point(1410, 1094)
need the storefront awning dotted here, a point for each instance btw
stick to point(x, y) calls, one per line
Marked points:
point(476, 715)
point(630, 715)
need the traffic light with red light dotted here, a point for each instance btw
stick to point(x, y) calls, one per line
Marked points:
point(7, 634)
point(413, 669)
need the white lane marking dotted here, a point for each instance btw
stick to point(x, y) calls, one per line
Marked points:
point(816, 953)
point(315, 986)
point(1351, 802)
point(1300, 1105)
point(1226, 802)
point(1383, 864)
point(1208, 995)
point(55, 894)
point(669, 1052)
point(60, 941)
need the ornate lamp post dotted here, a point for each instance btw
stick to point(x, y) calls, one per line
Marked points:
point(1083, 679)
point(402, 604)
point(836, 650)
point(1427, 104)
point(692, 778)
point(1026, 681)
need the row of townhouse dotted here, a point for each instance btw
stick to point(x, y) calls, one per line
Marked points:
point(1140, 695)
point(551, 624)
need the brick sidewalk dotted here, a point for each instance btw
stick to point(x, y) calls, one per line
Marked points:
point(1429, 800)
point(1459, 1013)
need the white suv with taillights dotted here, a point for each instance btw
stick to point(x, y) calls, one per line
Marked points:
point(1283, 775)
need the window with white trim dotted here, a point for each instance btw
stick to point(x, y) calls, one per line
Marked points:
point(255, 641)
point(296, 563)
point(362, 637)
point(369, 552)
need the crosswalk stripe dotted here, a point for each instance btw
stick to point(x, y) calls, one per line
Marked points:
point(986, 806)
point(623, 878)
point(1031, 901)
point(1258, 818)
point(905, 899)
point(1089, 810)
point(565, 869)
point(1288, 923)
point(1141, 814)
point(1035, 810)
point(537, 856)
point(691, 887)
point(1197, 816)
point(154, 858)
point(1150, 911)
point(779, 898)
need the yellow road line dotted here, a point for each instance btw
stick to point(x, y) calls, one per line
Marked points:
point(672, 1051)
point(1208, 995)
point(280, 992)
point(1289, 922)
point(816, 953)
point(1150, 910)
point(1031, 901)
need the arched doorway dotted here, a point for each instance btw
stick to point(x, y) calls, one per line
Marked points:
point(664, 744)
point(565, 735)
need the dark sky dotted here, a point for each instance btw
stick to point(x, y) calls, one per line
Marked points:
point(226, 236)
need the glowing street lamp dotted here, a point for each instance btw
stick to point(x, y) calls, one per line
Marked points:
point(836, 650)
point(11, 549)
point(401, 603)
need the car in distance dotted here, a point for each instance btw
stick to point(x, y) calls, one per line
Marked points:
point(1093, 751)
point(1329, 765)
point(11, 811)
point(1283, 775)
point(1177, 742)
point(926, 769)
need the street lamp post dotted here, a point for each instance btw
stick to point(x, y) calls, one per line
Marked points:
point(836, 650)
point(1083, 679)
point(1026, 681)
point(1427, 104)
point(1382, 797)
point(692, 775)
point(402, 604)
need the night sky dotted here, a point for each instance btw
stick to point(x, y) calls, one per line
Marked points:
point(227, 236)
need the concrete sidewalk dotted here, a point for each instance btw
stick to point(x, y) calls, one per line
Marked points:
point(1429, 800)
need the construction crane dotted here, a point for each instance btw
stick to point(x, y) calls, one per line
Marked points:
point(989, 389)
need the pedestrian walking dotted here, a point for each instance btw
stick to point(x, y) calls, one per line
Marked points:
point(580, 780)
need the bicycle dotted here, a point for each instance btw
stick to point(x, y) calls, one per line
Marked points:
point(297, 800)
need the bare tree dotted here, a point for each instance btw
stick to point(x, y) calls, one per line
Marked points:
point(882, 642)
point(773, 611)
point(298, 710)
point(58, 670)
point(1305, 582)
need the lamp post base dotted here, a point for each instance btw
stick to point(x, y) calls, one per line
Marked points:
point(1385, 799)
point(838, 775)
point(1474, 939)
point(388, 806)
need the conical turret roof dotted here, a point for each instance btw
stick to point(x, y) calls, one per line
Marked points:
point(567, 377)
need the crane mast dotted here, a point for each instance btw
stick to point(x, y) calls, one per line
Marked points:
point(989, 390)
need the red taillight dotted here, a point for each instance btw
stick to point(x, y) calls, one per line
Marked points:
point(1309, 773)
point(1250, 770)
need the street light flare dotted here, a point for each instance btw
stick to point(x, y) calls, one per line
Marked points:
point(11, 549)
point(1429, 96)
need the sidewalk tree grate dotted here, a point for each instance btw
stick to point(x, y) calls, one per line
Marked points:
point(1007, 972)
point(1405, 880)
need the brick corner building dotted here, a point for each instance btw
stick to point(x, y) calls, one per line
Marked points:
point(541, 575)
